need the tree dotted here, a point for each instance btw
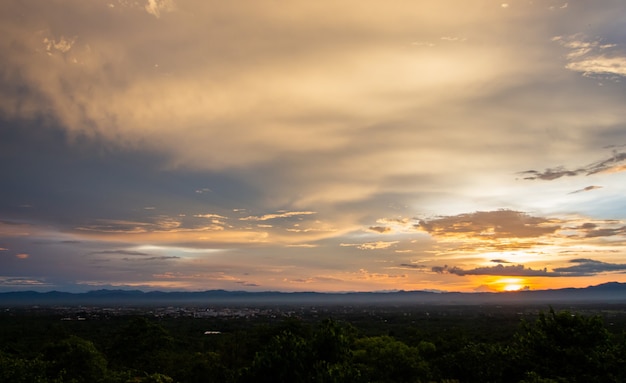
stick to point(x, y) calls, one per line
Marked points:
point(287, 358)
point(77, 360)
point(203, 367)
point(385, 359)
point(478, 363)
point(143, 346)
point(566, 347)
point(151, 378)
point(324, 357)
point(18, 370)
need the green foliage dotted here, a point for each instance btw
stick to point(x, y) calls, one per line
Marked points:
point(143, 346)
point(325, 357)
point(286, 359)
point(555, 347)
point(204, 367)
point(533, 377)
point(385, 359)
point(567, 347)
point(479, 363)
point(19, 370)
point(151, 378)
point(76, 360)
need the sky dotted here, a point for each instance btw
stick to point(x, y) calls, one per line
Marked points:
point(190, 145)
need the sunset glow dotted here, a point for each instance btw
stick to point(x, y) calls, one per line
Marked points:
point(312, 146)
point(512, 284)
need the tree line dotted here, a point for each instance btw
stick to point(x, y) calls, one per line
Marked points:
point(557, 346)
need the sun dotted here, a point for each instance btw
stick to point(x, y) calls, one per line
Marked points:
point(512, 287)
point(509, 284)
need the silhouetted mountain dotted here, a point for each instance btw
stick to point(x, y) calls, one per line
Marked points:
point(612, 292)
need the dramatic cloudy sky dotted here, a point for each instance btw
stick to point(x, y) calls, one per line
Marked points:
point(312, 145)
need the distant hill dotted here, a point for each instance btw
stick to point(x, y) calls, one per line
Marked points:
point(612, 292)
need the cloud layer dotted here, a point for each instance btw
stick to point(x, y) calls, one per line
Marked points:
point(189, 144)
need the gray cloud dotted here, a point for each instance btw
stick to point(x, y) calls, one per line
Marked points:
point(586, 189)
point(155, 258)
point(611, 164)
point(120, 252)
point(587, 267)
point(583, 267)
point(499, 261)
point(282, 214)
point(593, 230)
point(22, 282)
point(380, 229)
point(412, 266)
point(499, 270)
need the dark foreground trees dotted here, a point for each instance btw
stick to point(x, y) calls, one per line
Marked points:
point(569, 348)
point(555, 347)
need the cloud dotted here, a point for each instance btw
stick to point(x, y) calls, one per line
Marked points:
point(210, 216)
point(155, 258)
point(598, 229)
point(120, 252)
point(586, 189)
point(380, 229)
point(62, 45)
point(247, 284)
point(155, 7)
point(293, 111)
point(583, 267)
point(155, 224)
point(371, 245)
point(499, 270)
point(588, 267)
point(550, 174)
point(21, 281)
point(22, 255)
point(412, 266)
point(499, 261)
point(593, 58)
point(605, 232)
point(489, 225)
point(612, 164)
point(286, 214)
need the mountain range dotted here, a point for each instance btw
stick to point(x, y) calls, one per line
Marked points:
point(612, 292)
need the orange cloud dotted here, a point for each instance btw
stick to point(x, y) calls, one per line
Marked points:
point(486, 225)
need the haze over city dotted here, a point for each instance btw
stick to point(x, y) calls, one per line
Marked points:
point(312, 146)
